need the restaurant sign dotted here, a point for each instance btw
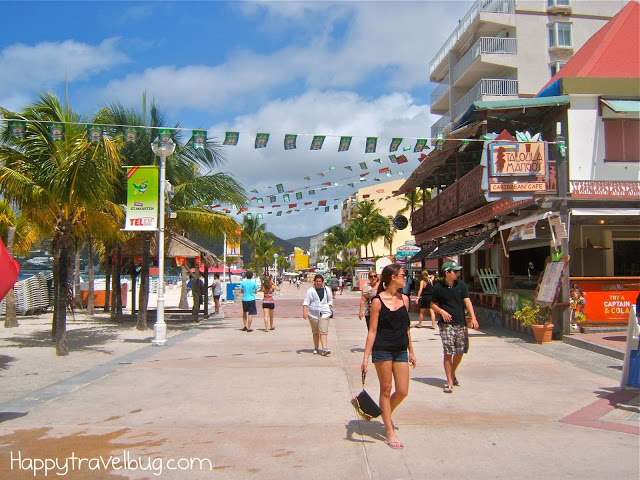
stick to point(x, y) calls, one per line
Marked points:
point(517, 167)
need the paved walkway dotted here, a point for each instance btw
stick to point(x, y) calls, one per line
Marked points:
point(261, 405)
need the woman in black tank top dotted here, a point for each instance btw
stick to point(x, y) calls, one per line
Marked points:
point(388, 340)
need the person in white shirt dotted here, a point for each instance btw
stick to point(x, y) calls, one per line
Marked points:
point(318, 309)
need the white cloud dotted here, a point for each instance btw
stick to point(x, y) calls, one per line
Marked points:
point(389, 41)
point(44, 65)
point(335, 114)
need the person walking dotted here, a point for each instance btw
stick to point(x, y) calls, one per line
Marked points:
point(268, 303)
point(249, 288)
point(369, 290)
point(425, 293)
point(216, 292)
point(390, 346)
point(318, 309)
point(341, 284)
point(334, 285)
point(450, 298)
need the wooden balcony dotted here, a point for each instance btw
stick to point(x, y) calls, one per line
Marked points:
point(463, 196)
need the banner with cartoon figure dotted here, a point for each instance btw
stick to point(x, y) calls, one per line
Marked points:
point(142, 198)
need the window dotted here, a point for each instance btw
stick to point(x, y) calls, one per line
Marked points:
point(558, 3)
point(555, 67)
point(559, 34)
point(621, 140)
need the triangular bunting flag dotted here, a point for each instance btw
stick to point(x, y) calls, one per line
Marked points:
point(348, 167)
point(199, 139)
point(279, 213)
point(377, 160)
point(326, 209)
point(420, 144)
point(312, 192)
point(351, 185)
point(298, 195)
point(322, 203)
point(307, 177)
point(17, 128)
point(423, 157)
point(56, 131)
point(130, 134)
point(94, 133)
point(254, 190)
point(393, 159)
point(363, 165)
point(285, 197)
point(402, 159)
point(272, 198)
point(383, 170)
point(395, 143)
point(293, 205)
point(406, 149)
point(280, 188)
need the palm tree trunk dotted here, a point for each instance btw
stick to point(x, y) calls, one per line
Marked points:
point(184, 303)
point(62, 247)
point(91, 301)
point(195, 289)
point(107, 282)
point(10, 318)
point(116, 298)
point(76, 277)
point(143, 299)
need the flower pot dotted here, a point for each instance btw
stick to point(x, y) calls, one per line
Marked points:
point(542, 333)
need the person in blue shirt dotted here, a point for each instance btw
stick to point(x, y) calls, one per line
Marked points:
point(249, 288)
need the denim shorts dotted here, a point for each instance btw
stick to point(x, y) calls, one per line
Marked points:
point(249, 307)
point(385, 356)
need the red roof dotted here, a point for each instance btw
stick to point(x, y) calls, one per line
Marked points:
point(612, 52)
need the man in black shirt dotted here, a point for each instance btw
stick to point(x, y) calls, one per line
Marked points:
point(450, 298)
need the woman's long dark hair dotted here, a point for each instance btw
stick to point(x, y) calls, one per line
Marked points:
point(387, 272)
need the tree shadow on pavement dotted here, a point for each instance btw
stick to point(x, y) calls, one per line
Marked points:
point(90, 338)
point(375, 430)
point(5, 360)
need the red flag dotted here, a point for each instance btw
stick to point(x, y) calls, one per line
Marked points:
point(402, 159)
point(383, 170)
point(9, 268)
point(293, 205)
point(322, 203)
point(422, 158)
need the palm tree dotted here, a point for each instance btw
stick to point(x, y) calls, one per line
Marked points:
point(414, 200)
point(373, 223)
point(264, 250)
point(338, 242)
point(252, 230)
point(56, 183)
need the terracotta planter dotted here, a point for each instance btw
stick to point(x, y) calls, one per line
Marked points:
point(542, 333)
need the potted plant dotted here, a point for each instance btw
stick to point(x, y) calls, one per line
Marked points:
point(538, 319)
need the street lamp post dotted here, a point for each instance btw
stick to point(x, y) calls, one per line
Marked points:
point(162, 149)
point(275, 266)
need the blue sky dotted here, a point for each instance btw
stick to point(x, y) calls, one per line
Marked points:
point(310, 68)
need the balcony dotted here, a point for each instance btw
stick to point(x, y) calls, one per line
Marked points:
point(488, 6)
point(486, 87)
point(440, 92)
point(461, 197)
point(440, 126)
point(484, 46)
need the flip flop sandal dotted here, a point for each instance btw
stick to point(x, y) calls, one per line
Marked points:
point(396, 445)
point(448, 389)
point(455, 382)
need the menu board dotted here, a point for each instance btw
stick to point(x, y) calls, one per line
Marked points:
point(549, 285)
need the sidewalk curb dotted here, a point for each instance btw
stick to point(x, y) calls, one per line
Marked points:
point(593, 347)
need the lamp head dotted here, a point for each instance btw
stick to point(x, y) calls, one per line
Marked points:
point(163, 149)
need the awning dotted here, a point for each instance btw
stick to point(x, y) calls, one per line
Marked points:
point(605, 212)
point(621, 106)
point(529, 219)
point(422, 254)
point(461, 246)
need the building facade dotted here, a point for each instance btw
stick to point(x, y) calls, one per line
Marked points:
point(505, 49)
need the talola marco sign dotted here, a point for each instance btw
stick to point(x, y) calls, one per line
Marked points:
point(407, 250)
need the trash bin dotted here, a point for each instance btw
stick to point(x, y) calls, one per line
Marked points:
point(237, 295)
point(230, 288)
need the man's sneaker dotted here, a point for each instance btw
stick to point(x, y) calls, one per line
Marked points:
point(325, 352)
point(244, 329)
point(316, 350)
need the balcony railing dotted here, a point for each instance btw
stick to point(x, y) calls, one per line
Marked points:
point(484, 45)
point(494, 87)
point(439, 126)
point(489, 6)
point(439, 92)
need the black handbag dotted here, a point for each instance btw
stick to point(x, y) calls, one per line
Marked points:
point(366, 407)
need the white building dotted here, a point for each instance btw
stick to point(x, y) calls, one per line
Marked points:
point(504, 49)
point(315, 243)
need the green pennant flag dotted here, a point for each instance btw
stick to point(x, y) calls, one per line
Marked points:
point(377, 160)
point(332, 169)
point(376, 179)
point(17, 128)
point(285, 197)
point(420, 144)
point(279, 213)
point(290, 141)
point(307, 177)
point(164, 134)
point(259, 216)
point(231, 138)
point(261, 140)
point(351, 185)
point(345, 143)
point(249, 216)
point(280, 188)
point(326, 209)
point(321, 174)
point(393, 159)
point(259, 200)
point(56, 131)
point(254, 190)
point(395, 143)
point(272, 198)
point(316, 143)
point(348, 167)
point(129, 134)
point(199, 139)
point(335, 207)
point(363, 165)
point(298, 195)
point(406, 149)
point(94, 133)
point(312, 192)
point(371, 145)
